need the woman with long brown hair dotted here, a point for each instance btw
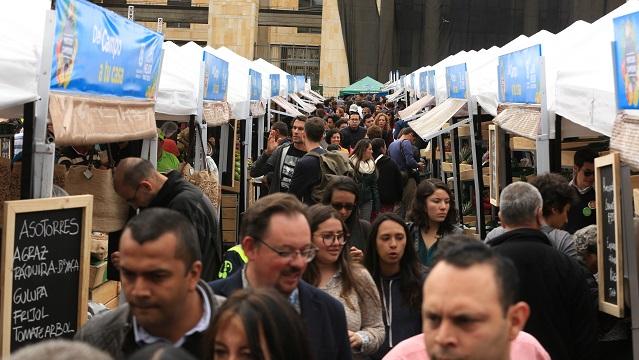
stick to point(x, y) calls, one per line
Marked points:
point(347, 281)
point(433, 216)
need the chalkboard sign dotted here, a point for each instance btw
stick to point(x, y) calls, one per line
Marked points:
point(494, 158)
point(609, 240)
point(45, 269)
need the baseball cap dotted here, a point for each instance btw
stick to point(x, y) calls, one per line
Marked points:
point(353, 108)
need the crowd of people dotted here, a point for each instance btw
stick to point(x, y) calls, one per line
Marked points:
point(351, 254)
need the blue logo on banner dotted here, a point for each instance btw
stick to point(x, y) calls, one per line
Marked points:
point(625, 61)
point(275, 84)
point(423, 82)
point(98, 52)
point(431, 83)
point(256, 84)
point(520, 76)
point(300, 80)
point(216, 77)
point(290, 79)
point(456, 81)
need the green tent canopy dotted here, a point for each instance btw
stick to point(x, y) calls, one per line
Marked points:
point(367, 85)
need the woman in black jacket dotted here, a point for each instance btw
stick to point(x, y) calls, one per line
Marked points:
point(342, 193)
point(393, 264)
point(389, 180)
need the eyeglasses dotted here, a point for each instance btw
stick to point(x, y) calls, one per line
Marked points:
point(308, 253)
point(131, 200)
point(339, 206)
point(330, 238)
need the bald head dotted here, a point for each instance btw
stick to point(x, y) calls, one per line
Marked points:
point(130, 171)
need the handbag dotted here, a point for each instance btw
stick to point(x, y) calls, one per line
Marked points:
point(110, 211)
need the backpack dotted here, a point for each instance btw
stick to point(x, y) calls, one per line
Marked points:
point(332, 164)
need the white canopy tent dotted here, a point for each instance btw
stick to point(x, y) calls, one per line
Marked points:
point(584, 90)
point(179, 85)
point(20, 55)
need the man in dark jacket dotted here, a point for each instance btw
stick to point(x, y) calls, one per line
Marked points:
point(307, 173)
point(563, 311)
point(141, 186)
point(166, 300)
point(354, 132)
point(276, 239)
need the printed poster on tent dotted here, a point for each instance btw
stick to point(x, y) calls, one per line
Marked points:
point(216, 77)
point(98, 52)
point(275, 84)
point(256, 84)
point(519, 76)
point(290, 79)
point(431, 83)
point(300, 81)
point(625, 61)
point(456, 81)
point(423, 81)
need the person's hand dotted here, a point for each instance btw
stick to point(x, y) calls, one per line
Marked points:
point(271, 144)
point(356, 254)
point(355, 340)
point(115, 259)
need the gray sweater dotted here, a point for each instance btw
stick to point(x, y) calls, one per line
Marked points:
point(365, 317)
point(560, 239)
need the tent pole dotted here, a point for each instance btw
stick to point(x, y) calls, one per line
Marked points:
point(542, 160)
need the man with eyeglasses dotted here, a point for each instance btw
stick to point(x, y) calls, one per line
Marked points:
point(142, 186)
point(582, 213)
point(276, 238)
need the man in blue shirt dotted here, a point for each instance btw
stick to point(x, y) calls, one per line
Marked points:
point(401, 151)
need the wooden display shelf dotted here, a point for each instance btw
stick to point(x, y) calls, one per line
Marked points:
point(234, 189)
point(579, 144)
point(467, 219)
point(518, 143)
point(448, 167)
point(567, 158)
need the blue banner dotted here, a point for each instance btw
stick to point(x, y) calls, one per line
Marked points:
point(98, 52)
point(290, 79)
point(256, 84)
point(275, 84)
point(625, 61)
point(300, 82)
point(423, 82)
point(519, 76)
point(456, 81)
point(216, 77)
point(431, 83)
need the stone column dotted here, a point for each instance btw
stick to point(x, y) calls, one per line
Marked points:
point(233, 24)
point(333, 62)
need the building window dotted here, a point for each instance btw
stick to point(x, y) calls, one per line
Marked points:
point(309, 30)
point(310, 5)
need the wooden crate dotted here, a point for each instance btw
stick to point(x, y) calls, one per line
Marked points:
point(518, 143)
point(105, 292)
point(96, 274)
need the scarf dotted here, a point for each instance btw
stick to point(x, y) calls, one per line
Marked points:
point(365, 167)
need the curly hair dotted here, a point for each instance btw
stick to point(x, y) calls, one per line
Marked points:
point(418, 214)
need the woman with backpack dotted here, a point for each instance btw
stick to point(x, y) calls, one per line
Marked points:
point(365, 175)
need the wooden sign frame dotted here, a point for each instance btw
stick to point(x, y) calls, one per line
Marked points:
point(600, 162)
point(494, 160)
point(11, 208)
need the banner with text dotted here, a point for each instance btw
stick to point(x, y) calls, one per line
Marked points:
point(625, 61)
point(98, 52)
point(456, 81)
point(290, 80)
point(256, 84)
point(300, 81)
point(520, 76)
point(216, 77)
point(423, 82)
point(275, 84)
point(431, 83)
